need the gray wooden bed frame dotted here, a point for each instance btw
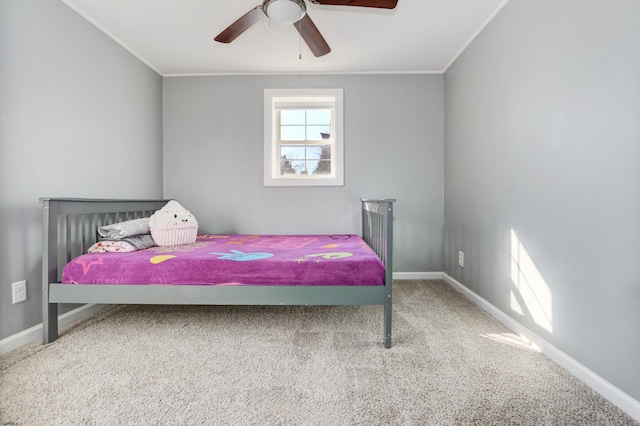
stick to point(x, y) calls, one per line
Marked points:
point(69, 228)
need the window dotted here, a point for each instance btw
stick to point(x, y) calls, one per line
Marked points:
point(303, 143)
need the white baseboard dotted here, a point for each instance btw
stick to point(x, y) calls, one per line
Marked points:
point(34, 333)
point(616, 396)
point(417, 275)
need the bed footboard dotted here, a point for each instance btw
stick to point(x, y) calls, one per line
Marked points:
point(377, 232)
point(70, 226)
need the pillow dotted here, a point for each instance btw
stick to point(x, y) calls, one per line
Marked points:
point(173, 225)
point(123, 245)
point(125, 229)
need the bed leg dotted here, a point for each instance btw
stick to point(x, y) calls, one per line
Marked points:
point(387, 322)
point(49, 321)
point(49, 275)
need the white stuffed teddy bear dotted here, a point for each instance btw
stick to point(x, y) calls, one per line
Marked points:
point(173, 225)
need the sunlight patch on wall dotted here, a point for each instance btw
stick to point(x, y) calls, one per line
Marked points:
point(532, 289)
point(515, 305)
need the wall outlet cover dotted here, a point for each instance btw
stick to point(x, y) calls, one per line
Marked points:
point(19, 291)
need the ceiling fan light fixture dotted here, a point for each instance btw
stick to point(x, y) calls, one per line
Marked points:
point(284, 12)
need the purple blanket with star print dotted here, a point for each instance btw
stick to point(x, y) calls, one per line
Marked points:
point(237, 260)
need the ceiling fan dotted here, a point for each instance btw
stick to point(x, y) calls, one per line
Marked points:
point(295, 12)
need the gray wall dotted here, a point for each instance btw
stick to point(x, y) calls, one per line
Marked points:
point(543, 138)
point(213, 159)
point(79, 117)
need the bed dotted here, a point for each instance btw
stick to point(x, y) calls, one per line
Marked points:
point(70, 275)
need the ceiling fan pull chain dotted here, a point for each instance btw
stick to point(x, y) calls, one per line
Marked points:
point(300, 41)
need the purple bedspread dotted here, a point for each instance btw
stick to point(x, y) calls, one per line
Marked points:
point(237, 260)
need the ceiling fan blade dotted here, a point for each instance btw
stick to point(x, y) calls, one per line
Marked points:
point(241, 25)
point(381, 4)
point(311, 35)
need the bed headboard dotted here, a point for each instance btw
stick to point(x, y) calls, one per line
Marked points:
point(69, 228)
point(69, 225)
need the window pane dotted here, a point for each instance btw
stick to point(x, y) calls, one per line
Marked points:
point(292, 116)
point(321, 167)
point(325, 152)
point(291, 167)
point(292, 133)
point(314, 152)
point(319, 116)
point(316, 133)
point(298, 167)
point(292, 152)
point(312, 167)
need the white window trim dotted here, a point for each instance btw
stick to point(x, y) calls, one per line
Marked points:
point(272, 156)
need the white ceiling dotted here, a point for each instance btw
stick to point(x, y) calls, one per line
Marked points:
point(175, 37)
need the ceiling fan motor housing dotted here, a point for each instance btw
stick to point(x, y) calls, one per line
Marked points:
point(284, 12)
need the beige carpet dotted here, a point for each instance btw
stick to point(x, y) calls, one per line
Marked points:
point(153, 365)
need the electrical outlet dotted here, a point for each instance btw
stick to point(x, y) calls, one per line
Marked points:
point(461, 259)
point(19, 291)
